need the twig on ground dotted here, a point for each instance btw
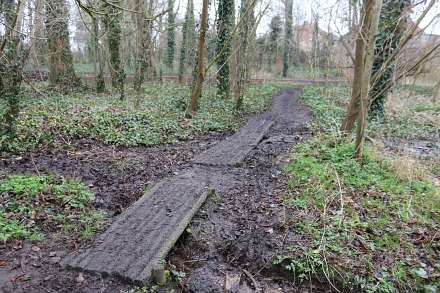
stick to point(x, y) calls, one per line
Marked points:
point(433, 237)
point(341, 216)
point(254, 282)
point(363, 245)
point(35, 166)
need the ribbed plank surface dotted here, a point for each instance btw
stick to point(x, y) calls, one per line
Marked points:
point(143, 234)
point(233, 150)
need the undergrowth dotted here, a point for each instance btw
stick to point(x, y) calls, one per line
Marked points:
point(33, 205)
point(407, 117)
point(155, 117)
point(370, 228)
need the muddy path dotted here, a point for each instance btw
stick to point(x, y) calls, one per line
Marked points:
point(231, 242)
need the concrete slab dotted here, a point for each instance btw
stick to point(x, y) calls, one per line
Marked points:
point(142, 235)
point(234, 149)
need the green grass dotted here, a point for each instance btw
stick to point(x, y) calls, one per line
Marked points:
point(156, 117)
point(33, 205)
point(360, 227)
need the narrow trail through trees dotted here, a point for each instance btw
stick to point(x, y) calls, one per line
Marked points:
point(238, 230)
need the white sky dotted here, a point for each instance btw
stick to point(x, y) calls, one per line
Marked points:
point(329, 12)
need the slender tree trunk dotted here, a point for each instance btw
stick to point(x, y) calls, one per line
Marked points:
point(187, 37)
point(201, 56)
point(243, 64)
point(375, 6)
point(436, 95)
point(98, 67)
point(353, 107)
point(416, 76)
point(37, 43)
point(20, 17)
point(288, 37)
point(146, 68)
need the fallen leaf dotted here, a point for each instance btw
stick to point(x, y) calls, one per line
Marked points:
point(35, 248)
point(80, 278)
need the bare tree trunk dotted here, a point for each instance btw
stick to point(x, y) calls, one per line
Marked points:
point(375, 6)
point(98, 66)
point(38, 34)
point(201, 56)
point(145, 68)
point(353, 107)
point(436, 94)
point(243, 53)
point(20, 17)
point(287, 36)
point(187, 38)
point(416, 76)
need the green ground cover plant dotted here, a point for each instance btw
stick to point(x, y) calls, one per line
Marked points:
point(154, 118)
point(410, 117)
point(368, 228)
point(33, 205)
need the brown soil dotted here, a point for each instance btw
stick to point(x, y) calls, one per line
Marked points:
point(231, 242)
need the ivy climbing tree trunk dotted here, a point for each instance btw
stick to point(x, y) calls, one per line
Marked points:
point(243, 52)
point(187, 38)
point(288, 36)
point(200, 64)
point(114, 31)
point(272, 47)
point(353, 108)
point(11, 69)
point(171, 36)
point(225, 17)
point(368, 59)
point(391, 27)
point(61, 71)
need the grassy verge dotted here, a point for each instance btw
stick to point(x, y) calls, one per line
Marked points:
point(154, 118)
point(372, 228)
point(33, 205)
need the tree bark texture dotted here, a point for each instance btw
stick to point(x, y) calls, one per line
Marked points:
point(187, 38)
point(288, 37)
point(243, 52)
point(61, 72)
point(201, 56)
point(224, 29)
point(353, 107)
